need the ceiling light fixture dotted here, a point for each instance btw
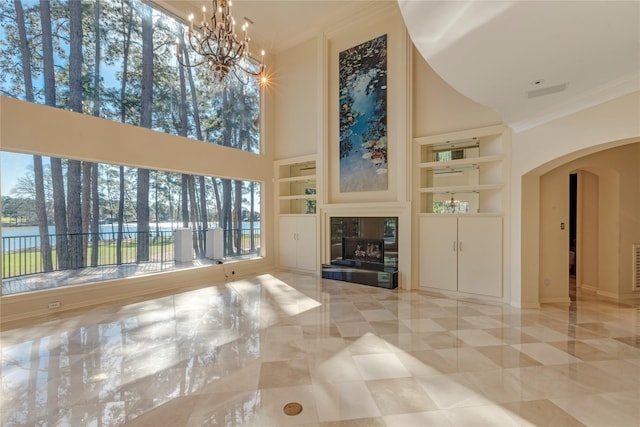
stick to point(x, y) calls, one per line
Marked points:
point(216, 42)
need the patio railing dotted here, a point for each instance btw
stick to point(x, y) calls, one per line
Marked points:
point(22, 255)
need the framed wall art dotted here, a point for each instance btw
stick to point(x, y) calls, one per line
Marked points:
point(362, 113)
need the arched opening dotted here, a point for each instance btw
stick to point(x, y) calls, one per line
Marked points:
point(607, 224)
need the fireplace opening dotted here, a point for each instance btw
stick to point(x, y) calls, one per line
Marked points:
point(368, 250)
point(364, 250)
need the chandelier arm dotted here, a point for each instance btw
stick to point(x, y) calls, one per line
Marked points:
point(235, 72)
point(183, 51)
point(194, 46)
point(219, 46)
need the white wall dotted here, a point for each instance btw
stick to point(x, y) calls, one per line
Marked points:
point(438, 108)
point(541, 149)
point(296, 103)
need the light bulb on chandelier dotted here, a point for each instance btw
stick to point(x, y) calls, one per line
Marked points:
point(216, 42)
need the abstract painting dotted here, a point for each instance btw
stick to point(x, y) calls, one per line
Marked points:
point(363, 117)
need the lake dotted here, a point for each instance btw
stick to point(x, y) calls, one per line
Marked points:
point(129, 228)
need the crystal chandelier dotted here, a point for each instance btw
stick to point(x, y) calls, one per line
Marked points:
point(216, 42)
point(452, 206)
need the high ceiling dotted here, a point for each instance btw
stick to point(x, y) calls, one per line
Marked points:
point(571, 54)
point(277, 25)
point(497, 52)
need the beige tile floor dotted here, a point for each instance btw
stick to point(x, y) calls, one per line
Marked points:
point(236, 353)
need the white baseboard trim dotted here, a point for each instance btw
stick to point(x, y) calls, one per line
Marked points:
point(555, 300)
point(120, 291)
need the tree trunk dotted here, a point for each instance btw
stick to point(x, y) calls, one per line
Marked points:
point(97, 59)
point(57, 177)
point(142, 202)
point(185, 200)
point(95, 198)
point(238, 216)
point(196, 120)
point(74, 212)
point(194, 214)
point(74, 168)
point(95, 215)
point(87, 168)
point(203, 210)
point(120, 217)
point(40, 206)
point(227, 137)
point(226, 216)
point(126, 43)
point(216, 193)
point(252, 189)
point(182, 131)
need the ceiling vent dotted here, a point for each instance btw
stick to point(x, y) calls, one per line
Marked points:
point(547, 90)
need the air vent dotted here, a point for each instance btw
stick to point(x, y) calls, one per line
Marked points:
point(636, 266)
point(547, 90)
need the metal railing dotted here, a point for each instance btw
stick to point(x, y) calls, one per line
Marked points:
point(22, 255)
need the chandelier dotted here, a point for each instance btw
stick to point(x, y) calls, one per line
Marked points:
point(216, 42)
point(452, 206)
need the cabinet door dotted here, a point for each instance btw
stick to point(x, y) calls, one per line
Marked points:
point(306, 243)
point(438, 252)
point(480, 255)
point(288, 241)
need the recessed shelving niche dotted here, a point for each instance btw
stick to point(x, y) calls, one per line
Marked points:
point(296, 185)
point(461, 172)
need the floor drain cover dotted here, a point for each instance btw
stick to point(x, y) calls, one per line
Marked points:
point(292, 408)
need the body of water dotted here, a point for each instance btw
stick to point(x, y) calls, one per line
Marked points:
point(31, 234)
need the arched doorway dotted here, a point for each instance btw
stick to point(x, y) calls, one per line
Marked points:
point(606, 223)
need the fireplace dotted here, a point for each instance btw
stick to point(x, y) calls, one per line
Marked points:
point(358, 249)
point(364, 250)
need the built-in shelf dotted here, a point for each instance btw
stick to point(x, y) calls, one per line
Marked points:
point(460, 163)
point(295, 192)
point(295, 181)
point(461, 172)
point(461, 189)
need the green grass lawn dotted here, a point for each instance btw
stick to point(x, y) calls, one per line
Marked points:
point(30, 262)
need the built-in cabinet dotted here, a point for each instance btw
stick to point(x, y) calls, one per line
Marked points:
point(461, 172)
point(298, 243)
point(461, 253)
point(295, 188)
point(460, 194)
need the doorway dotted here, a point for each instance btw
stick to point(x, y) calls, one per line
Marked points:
point(573, 216)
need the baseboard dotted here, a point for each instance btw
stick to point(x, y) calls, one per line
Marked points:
point(627, 297)
point(30, 305)
point(587, 287)
point(555, 300)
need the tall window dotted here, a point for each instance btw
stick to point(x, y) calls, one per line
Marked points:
point(111, 231)
point(116, 59)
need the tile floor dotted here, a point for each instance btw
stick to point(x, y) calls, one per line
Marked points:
point(352, 355)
